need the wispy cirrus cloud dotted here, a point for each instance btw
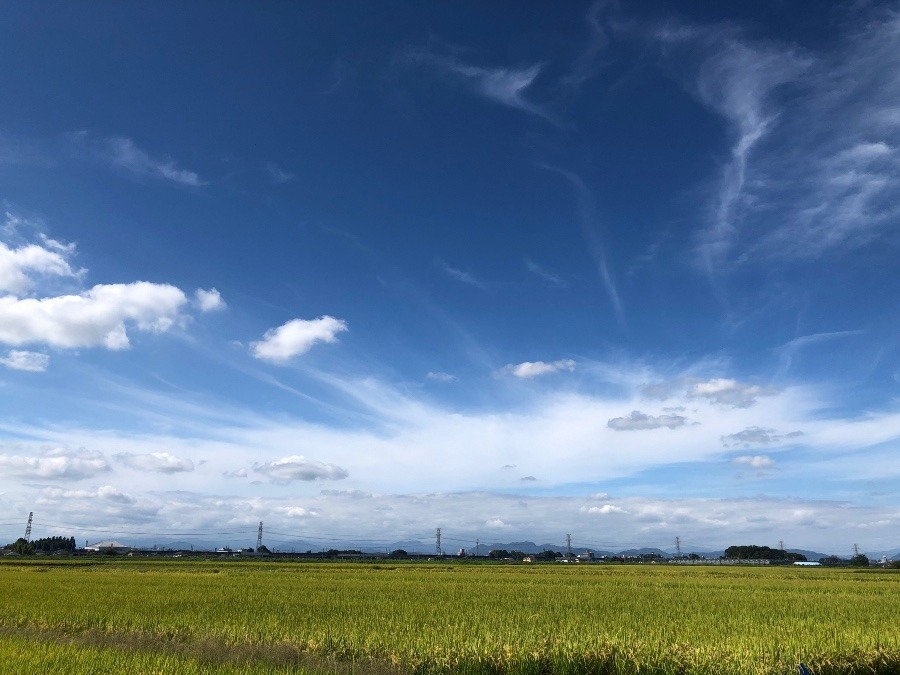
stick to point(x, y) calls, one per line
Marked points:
point(541, 273)
point(123, 153)
point(589, 221)
point(506, 86)
point(462, 276)
point(814, 159)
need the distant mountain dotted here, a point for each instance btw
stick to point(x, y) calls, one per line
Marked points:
point(811, 556)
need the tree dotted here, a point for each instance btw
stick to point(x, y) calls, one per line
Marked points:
point(21, 546)
point(399, 553)
point(752, 552)
point(861, 560)
point(263, 549)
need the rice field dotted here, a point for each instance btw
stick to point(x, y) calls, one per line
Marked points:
point(184, 616)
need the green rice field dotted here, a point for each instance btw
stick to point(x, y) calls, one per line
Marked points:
point(140, 616)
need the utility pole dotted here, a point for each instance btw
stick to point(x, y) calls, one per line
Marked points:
point(437, 542)
point(259, 537)
point(28, 526)
point(677, 547)
point(568, 546)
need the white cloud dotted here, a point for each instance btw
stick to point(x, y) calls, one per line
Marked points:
point(123, 153)
point(278, 175)
point(295, 337)
point(438, 376)
point(208, 301)
point(506, 86)
point(755, 461)
point(813, 164)
point(529, 369)
point(19, 265)
point(236, 473)
point(97, 317)
point(495, 524)
point(757, 436)
point(604, 510)
point(34, 362)
point(297, 467)
point(725, 391)
point(161, 462)
point(14, 263)
point(638, 421)
point(541, 273)
point(460, 275)
point(55, 464)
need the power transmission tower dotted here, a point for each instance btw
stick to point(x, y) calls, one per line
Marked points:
point(28, 526)
point(437, 542)
point(781, 544)
point(477, 546)
point(677, 547)
point(259, 537)
point(855, 547)
point(568, 545)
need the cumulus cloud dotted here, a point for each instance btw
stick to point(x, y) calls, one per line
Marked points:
point(107, 493)
point(729, 392)
point(295, 337)
point(638, 421)
point(757, 436)
point(19, 265)
point(160, 462)
point(208, 301)
point(34, 362)
point(437, 376)
point(755, 461)
point(55, 464)
point(97, 317)
point(236, 473)
point(298, 467)
point(530, 369)
point(496, 523)
point(604, 510)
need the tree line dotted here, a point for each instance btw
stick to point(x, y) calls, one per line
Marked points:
point(44, 545)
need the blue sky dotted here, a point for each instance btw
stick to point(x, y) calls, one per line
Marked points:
point(626, 271)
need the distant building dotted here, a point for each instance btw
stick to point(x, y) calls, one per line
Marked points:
point(805, 563)
point(103, 546)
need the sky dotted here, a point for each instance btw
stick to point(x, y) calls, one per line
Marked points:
point(625, 271)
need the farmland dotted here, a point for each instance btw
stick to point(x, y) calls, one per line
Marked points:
point(257, 617)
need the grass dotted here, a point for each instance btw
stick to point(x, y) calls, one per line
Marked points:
point(445, 618)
